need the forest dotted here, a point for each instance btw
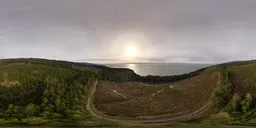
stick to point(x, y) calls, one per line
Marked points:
point(35, 93)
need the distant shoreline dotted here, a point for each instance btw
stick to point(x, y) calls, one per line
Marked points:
point(160, 63)
point(160, 69)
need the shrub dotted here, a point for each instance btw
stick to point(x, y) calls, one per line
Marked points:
point(246, 103)
point(234, 104)
point(223, 92)
point(35, 120)
point(31, 110)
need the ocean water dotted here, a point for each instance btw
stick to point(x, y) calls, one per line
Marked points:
point(161, 69)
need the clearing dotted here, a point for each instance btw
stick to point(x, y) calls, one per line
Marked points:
point(136, 99)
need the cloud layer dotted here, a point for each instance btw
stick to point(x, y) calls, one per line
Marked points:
point(97, 30)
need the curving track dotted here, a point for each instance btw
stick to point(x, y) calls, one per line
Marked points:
point(98, 114)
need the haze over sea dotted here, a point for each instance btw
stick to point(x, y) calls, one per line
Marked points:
point(161, 69)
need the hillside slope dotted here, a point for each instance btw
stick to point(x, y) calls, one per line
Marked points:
point(140, 100)
point(36, 93)
point(39, 91)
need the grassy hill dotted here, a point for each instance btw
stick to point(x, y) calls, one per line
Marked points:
point(39, 91)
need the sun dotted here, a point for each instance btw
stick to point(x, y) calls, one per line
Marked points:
point(131, 51)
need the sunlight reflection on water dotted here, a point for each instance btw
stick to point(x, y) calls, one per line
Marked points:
point(161, 69)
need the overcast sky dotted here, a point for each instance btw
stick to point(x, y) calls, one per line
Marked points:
point(103, 31)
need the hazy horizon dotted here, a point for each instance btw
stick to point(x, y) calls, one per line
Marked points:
point(129, 31)
point(114, 62)
point(160, 69)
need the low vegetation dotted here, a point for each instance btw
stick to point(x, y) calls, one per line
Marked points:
point(166, 79)
point(223, 92)
point(136, 99)
point(242, 103)
point(234, 98)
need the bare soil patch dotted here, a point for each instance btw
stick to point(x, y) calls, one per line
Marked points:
point(9, 83)
point(135, 99)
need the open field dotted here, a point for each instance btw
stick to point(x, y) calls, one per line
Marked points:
point(135, 99)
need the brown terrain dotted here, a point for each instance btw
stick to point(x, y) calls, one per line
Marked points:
point(136, 99)
point(9, 83)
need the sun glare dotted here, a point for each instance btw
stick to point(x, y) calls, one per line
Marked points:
point(131, 51)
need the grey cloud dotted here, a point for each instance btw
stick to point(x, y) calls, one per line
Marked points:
point(172, 30)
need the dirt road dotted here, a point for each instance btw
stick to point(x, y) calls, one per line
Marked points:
point(96, 113)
